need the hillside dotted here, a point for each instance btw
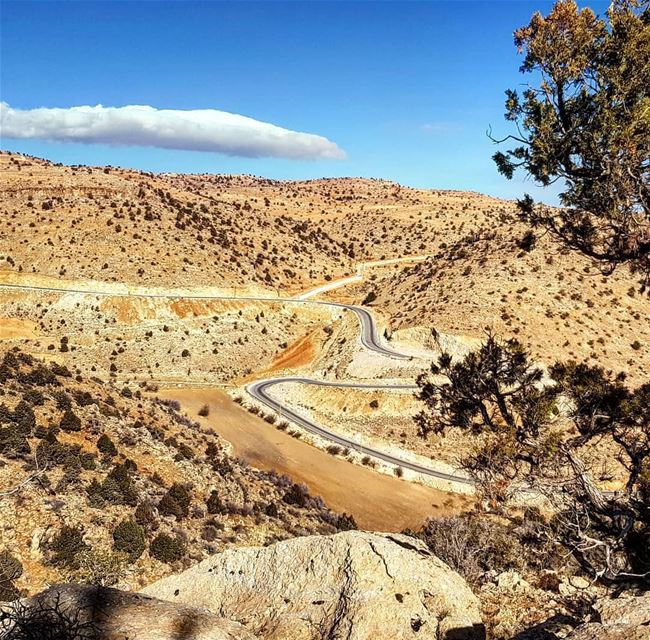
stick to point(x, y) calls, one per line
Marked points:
point(113, 485)
point(127, 226)
point(556, 303)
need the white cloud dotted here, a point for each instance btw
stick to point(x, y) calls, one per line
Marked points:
point(144, 126)
point(440, 127)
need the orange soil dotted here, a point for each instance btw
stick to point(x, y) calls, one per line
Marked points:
point(377, 501)
point(299, 354)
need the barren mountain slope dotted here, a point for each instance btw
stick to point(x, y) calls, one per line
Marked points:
point(100, 456)
point(557, 303)
point(186, 230)
point(166, 340)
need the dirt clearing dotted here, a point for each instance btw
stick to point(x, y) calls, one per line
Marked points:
point(377, 502)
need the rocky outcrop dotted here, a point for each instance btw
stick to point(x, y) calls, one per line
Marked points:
point(99, 613)
point(624, 618)
point(351, 585)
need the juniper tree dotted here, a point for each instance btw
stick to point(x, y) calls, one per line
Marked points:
point(533, 433)
point(585, 122)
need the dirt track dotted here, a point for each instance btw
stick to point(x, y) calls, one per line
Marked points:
point(376, 501)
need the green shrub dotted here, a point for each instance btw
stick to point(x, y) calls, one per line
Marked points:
point(70, 421)
point(116, 488)
point(24, 417)
point(167, 549)
point(10, 569)
point(129, 538)
point(66, 547)
point(56, 453)
point(13, 444)
point(176, 502)
point(105, 445)
point(62, 399)
point(34, 397)
point(145, 515)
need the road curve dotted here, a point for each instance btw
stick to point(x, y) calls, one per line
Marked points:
point(259, 391)
point(368, 333)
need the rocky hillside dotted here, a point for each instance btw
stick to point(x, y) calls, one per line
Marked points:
point(127, 226)
point(503, 278)
point(108, 484)
point(354, 585)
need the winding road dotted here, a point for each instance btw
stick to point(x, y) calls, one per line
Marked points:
point(259, 389)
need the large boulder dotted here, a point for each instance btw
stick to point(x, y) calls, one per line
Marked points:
point(351, 585)
point(624, 618)
point(86, 612)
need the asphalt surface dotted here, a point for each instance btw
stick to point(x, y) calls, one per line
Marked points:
point(259, 391)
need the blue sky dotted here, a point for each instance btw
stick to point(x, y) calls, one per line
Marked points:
point(406, 89)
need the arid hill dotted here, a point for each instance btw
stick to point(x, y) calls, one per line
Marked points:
point(113, 485)
point(127, 226)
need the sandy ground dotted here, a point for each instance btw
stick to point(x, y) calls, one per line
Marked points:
point(377, 502)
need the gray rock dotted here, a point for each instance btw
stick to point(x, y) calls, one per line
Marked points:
point(624, 618)
point(352, 586)
point(86, 611)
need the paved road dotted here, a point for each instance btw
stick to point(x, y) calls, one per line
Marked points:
point(259, 390)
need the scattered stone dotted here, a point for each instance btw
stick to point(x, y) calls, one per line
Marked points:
point(511, 580)
point(624, 618)
point(579, 582)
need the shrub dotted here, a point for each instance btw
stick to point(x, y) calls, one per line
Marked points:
point(345, 522)
point(473, 545)
point(298, 495)
point(105, 445)
point(34, 397)
point(66, 546)
point(63, 401)
point(103, 568)
point(215, 504)
point(145, 515)
point(209, 533)
point(167, 549)
point(129, 538)
point(84, 398)
point(70, 421)
point(10, 569)
point(13, 444)
point(117, 488)
point(204, 411)
point(176, 502)
point(371, 297)
point(24, 417)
